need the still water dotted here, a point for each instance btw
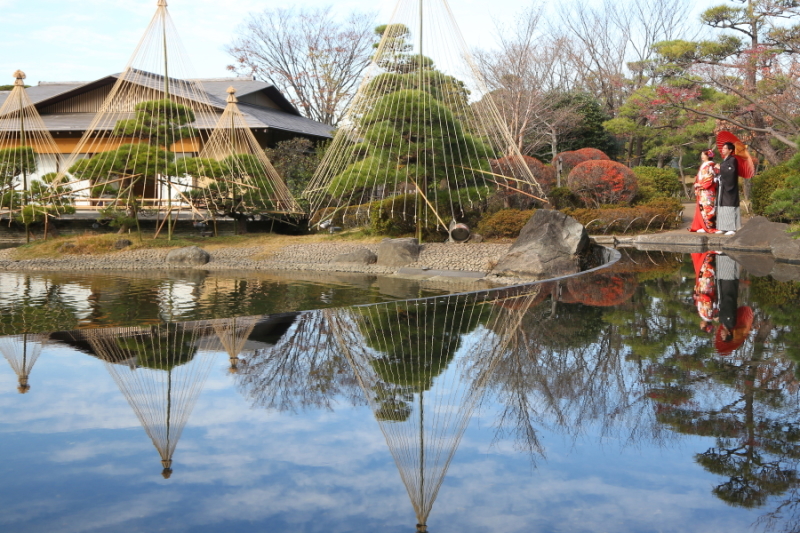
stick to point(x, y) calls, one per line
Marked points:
point(611, 401)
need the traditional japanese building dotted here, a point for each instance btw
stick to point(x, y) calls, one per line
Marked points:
point(69, 108)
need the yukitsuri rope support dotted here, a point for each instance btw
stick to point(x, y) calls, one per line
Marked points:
point(421, 131)
point(29, 159)
point(158, 143)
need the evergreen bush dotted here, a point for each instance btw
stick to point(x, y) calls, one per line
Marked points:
point(765, 183)
point(656, 182)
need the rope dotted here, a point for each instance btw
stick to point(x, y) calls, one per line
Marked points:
point(423, 366)
point(414, 123)
point(153, 123)
point(160, 370)
point(22, 352)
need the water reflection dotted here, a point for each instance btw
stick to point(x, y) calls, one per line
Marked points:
point(612, 356)
point(21, 352)
point(423, 366)
point(44, 302)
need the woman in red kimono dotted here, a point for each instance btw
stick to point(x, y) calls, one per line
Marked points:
point(705, 190)
point(705, 289)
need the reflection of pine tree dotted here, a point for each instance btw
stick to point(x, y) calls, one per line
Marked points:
point(423, 365)
point(21, 352)
point(757, 443)
point(160, 373)
point(416, 341)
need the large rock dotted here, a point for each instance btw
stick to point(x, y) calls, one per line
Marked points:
point(761, 235)
point(398, 252)
point(757, 235)
point(188, 256)
point(786, 249)
point(550, 244)
point(361, 256)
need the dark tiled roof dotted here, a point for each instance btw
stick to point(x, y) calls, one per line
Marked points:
point(277, 119)
point(287, 118)
point(37, 93)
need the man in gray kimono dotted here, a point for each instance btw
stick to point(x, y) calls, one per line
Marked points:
point(728, 216)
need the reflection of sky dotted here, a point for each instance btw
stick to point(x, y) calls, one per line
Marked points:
point(75, 459)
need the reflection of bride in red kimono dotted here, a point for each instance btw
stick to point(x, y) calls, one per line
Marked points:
point(705, 190)
point(705, 289)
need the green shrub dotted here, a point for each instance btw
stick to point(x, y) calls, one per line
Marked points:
point(764, 184)
point(562, 198)
point(505, 223)
point(395, 216)
point(785, 204)
point(656, 182)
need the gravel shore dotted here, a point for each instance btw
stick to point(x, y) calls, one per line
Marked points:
point(479, 257)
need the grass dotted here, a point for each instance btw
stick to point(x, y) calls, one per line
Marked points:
point(98, 244)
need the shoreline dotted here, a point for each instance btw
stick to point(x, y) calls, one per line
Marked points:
point(468, 263)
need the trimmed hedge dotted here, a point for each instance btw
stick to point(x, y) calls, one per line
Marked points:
point(504, 224)
point(593, 154)
point(569, 160)
point(647, 217)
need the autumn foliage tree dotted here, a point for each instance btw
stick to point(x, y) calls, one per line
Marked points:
point(544, 174)
point(602, 182)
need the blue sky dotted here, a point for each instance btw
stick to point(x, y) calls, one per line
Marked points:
point(72, 40)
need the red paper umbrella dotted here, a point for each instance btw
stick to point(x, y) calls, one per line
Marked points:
point(747, 164)
point(744, 322)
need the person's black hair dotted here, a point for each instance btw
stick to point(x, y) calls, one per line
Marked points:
point(731, 147)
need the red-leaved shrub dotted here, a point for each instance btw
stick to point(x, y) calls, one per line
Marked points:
point(569, 160)
point(510, 166)
point(593, 154)
point(601, 289)
point(602, 182)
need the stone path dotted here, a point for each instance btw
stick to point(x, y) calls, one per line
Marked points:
point(436, 259)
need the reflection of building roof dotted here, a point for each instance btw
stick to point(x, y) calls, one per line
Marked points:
point(267, 331)
point(262, 104)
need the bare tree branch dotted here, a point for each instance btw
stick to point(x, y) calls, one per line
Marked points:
point(308, 54)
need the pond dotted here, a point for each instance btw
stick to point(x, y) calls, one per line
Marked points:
point(608, 401)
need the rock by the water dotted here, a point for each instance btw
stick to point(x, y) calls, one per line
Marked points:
point(761, 235)
point(476, 238)
point(122, 243)
point(190, 255)
point(550, 244)
point(398, 252)
point(758, 235)
point(362, 256)
point(787, 249)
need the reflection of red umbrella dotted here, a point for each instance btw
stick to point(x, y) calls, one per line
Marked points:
point(747, 164)
point(744, 321)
